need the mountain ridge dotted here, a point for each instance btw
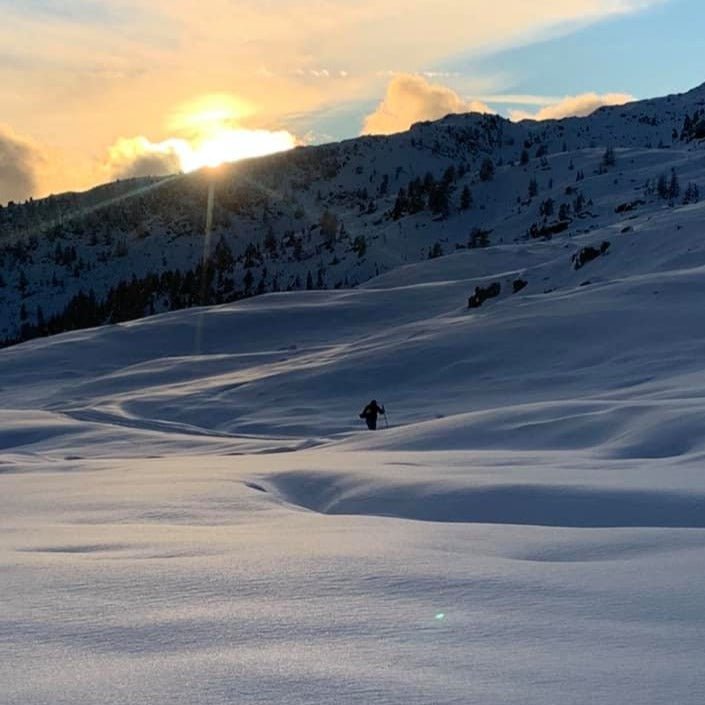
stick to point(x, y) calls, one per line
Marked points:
point(336, 215)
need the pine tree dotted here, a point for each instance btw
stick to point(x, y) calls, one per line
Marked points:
point(662, 186)
point(359, 245)
point(478, 238)
point(533, 188)
point(466, 198)
point(298, 249)
point(487, 170)
point(248, 281)
point(674, 188)
point(547, 207)
point(609, 158)
point(579, 203)
point(22, 283)
point(438, 199)
point(329, 227)
point(692, 194)
point(270, 242)
point(435, 251)
point(223, 256)
point(401, 205)
point(687, 127)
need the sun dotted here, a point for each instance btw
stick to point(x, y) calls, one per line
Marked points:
point(209, 111)
point(233, 144)
point(212, 135)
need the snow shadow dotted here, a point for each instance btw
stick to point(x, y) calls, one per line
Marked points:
point(534, 505)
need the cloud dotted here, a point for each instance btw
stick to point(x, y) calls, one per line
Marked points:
point(138, 156)
point(209, 142)
point(152, 55)
point(20, 161)
point(573, 106)
point(100, 68)
point(410, 99)
point(519, 99)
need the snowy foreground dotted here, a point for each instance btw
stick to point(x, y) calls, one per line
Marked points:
point(191, 513)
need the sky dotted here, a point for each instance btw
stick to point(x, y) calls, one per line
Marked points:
point(91, 91)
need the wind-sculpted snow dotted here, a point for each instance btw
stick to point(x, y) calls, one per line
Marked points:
point(521, 504)
point(191, 511)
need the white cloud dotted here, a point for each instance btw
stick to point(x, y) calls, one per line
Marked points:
point(410, 99)
point(138, 156)
point(440, 74)
point(519, 99)
point(573, 106)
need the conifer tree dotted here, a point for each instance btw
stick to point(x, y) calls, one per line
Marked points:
point(487, 170)
point(466, 198)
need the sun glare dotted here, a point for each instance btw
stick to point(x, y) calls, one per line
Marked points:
point(231, 145)
point(214, 137)
point(210, 111)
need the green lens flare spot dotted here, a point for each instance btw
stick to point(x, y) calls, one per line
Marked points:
point(440, 616)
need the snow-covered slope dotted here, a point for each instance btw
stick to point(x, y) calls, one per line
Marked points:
point(334, 216)
point(191, 513)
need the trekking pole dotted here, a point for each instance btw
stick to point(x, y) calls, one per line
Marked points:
point(386, 422)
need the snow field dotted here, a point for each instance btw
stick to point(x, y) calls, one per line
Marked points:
point(190, 512)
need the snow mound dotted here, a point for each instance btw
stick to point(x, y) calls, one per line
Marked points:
point(523, 504)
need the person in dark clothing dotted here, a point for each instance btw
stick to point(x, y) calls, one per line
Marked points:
point(370, 412)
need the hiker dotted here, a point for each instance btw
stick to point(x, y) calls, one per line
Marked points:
point(369, 413)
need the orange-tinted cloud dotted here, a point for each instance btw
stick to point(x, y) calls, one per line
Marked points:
point(410, 99)
point(20, 162)
point(573, 106)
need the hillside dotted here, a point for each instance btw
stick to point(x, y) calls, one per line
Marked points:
point(191, 512)
point(332, 217)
